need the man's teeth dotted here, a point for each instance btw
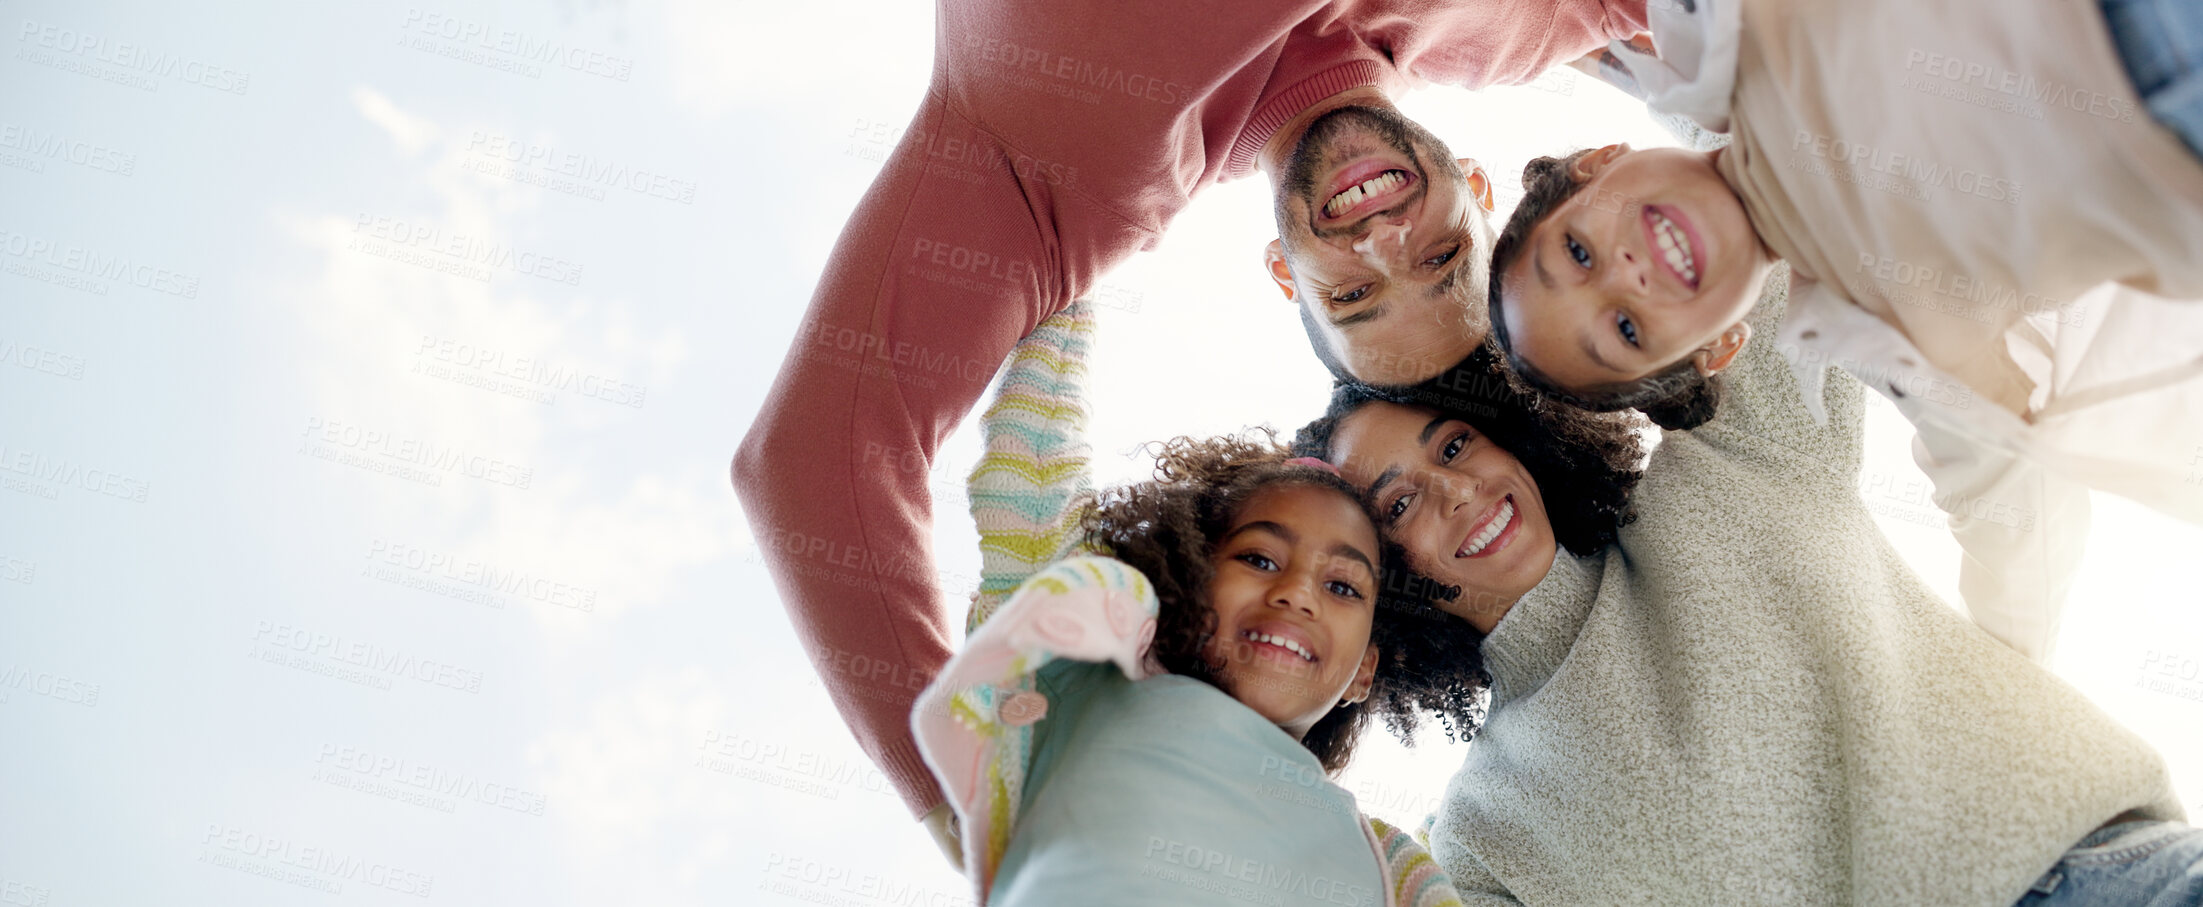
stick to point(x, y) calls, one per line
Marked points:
point(1378, 185)
point(1282, 642)
point(1675, 245)
point(1499, 525)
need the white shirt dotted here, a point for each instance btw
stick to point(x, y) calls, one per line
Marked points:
point(2117, 375)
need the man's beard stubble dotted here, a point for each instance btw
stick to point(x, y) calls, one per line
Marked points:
point(1345, 133)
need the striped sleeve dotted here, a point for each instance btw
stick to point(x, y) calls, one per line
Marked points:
point(974, 724)
point(1027, 488)
point(1411, 876)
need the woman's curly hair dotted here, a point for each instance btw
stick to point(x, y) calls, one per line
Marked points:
point(1675, 397)
point(1586, 466)
point(1167, 528)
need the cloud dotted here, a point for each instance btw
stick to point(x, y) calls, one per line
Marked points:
point(726, 57)
point(410, 133)
point(621, 783)
point(497, 365)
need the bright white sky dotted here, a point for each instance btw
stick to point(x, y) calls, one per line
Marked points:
point(229, 691)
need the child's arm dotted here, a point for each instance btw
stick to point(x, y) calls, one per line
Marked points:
point(2020, 529)
point(1412, 878)
point(974, 722)
point(1026, 490)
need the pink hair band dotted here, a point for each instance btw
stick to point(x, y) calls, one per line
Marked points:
point(1313, 461)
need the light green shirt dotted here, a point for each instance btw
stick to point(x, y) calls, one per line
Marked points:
point(1168, 791)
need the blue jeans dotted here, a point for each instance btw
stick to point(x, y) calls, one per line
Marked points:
point(2143, 864)
point(2161, 43)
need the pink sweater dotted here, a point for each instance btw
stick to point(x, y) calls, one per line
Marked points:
point(1054, 141)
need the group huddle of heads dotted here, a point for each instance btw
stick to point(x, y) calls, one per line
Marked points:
point(1619, 282)
point(1330, 582)
point(1480, 422)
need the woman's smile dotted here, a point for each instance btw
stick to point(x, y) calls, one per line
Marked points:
point(1493, 530)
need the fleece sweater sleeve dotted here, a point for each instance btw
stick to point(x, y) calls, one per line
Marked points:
point(1474, 882)
point(1763, 411)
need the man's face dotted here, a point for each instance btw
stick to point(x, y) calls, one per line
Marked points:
point(1386, 240)
point(1653, 260)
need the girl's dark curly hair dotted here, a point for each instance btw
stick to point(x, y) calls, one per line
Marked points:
point(1167, 528)
point(1675, 397)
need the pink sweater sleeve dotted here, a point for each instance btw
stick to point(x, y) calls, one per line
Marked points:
point(1478, 43)
point(945, 263)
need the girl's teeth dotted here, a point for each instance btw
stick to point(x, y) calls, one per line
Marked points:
point(1675, 247)
point(1499, 525)
point(1283, 643)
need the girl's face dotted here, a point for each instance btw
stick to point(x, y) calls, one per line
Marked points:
point(1465, 509)
point(1295, 589)
point(1652, 261)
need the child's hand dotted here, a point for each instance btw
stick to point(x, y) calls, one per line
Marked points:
point(941, 823)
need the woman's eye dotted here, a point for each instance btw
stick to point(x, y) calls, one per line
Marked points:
point(1440, 259)
point(1399, 506)
point(1354, 295)
point(1258, 561)
point(1345, 589)
point(1453, 447)
point(1628, 329)
point(1578, 252)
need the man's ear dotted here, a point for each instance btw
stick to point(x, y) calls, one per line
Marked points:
point(1365, 676)
point(1589, 165)
point(1715, 356)
point(1480, 183)
point(1281, 271)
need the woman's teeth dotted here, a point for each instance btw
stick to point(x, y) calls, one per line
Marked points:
point(1283, 643)
point(1675, 246)
point(1498, 525)
point(1377, 185)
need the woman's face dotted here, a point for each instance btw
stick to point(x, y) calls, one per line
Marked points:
point(1465, 509)
point(1295, 590)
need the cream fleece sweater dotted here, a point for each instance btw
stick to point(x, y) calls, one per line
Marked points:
point(1750, 699)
